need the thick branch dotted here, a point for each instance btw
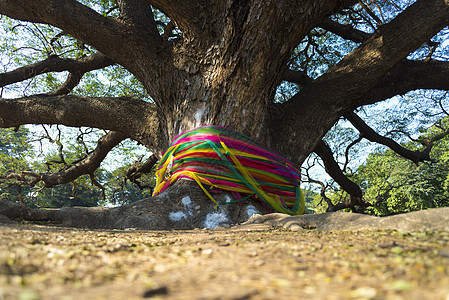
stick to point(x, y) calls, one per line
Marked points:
point(73, 79)
point(205, 18)
point(56, 64)
point(133, 9)
point(134, 172)
point(298, 77)
point(115, 38)
point(136, 118)
point(332, 168)
point(191, 17)
point(345, 31)
point(339, 90)
point(69, 15)
point(138, 15)
point(407, 76)
point(393, 42)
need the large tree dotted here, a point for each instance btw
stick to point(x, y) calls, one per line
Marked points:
point(221, 62)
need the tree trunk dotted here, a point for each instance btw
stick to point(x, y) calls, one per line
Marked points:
point(226, 72)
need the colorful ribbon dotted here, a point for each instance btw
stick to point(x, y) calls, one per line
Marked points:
point(221, 158)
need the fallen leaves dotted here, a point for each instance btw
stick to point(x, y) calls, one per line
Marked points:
point(50, 262)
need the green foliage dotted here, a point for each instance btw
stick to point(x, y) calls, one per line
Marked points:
point(14, 144)
point(310, 197)
point(121, 191)
point(79, 193)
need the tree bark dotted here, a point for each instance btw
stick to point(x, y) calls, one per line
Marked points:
point(355, 201)
point(56, 64)
point(135, 118)
point(230, 72)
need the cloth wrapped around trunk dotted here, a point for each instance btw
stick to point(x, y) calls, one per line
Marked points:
point(224, 159)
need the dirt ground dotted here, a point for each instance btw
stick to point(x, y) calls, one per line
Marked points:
point(252, 262)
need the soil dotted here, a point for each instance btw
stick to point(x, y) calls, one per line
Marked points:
point(244, 262)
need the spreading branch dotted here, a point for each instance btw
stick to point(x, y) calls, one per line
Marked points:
point(298, 77)
point(341, 88)
point(371, 135)
point(345, 31)
point(134, 172)
point(86, 166)
point(76, 67)
point(406, 76)
point(133, 9)
point(193, 17)
point(81, 22)
point(355, 202)
point(99, 112)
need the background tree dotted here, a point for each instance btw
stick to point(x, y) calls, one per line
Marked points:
point(22, 154)
point(393, 184)
point(224, 63)
point(15, 148)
